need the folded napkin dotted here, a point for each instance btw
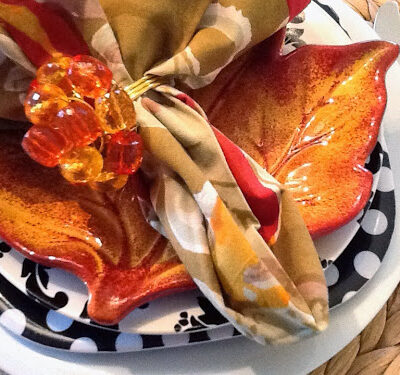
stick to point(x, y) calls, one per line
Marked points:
point(235, 228)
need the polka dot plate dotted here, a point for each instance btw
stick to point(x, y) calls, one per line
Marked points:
point(22, 316)
point(363, 256)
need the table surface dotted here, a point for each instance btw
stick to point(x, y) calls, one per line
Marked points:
point(239, 356)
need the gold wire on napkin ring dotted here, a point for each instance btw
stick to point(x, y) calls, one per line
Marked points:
point(144, 84)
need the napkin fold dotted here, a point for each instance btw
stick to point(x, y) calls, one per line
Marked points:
point(236, 229)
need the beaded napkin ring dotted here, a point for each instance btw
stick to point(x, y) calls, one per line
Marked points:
point(83, 122)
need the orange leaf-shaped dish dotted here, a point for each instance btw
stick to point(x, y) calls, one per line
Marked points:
point(311, 118)
point(278, 109)
point(103, 238)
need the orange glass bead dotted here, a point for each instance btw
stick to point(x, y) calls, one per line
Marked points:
point(115, 111)
point(45, 145)
point(78, 123)
point(89, 76)
point(55, 72)
point(124, 152)
point(43, 102)
point(81, 165)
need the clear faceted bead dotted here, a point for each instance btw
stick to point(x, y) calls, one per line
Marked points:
point(78, 123)
point(55, 72)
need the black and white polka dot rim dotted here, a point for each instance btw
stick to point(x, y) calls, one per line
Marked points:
point(363, 256)
point(26, 318)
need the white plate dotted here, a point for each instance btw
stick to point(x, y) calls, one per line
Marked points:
point(240, 356)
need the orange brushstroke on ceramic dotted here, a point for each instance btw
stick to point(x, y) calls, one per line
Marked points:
point(311, 118)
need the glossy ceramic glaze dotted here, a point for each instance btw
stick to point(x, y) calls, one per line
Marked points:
point(311, 118)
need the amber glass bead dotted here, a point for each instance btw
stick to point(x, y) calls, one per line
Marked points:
point(89, 76)
point(43, 102)
point(115, 111)
point(81, 165)
point(55, 72)
point(124, 152)
point(108, 181)
point(45, 145)
point(78, 123)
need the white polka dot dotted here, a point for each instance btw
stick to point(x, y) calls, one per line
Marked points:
point(331, 275)
point(128, 342)
point(385, 182)
point(366, 264)
point(176, 340)
point(84, 345)
point(249, 294)
point(58, 322)
point(348, 295)
point(14, 320)
point(221, 332)
point(374, 222)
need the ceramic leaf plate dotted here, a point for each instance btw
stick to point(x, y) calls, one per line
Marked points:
point(324, 105)
point(332, 245)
